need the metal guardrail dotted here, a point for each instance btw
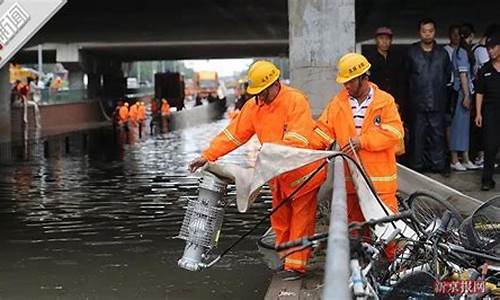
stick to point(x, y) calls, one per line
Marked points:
point(337, 269)
point(70, 96)
point(63, 96)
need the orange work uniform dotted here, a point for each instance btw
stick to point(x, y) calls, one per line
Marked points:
point(141, 113)
point(165, 109)
point(133, 114)
point(380, 138)
point(123, 115)
point(286, 120)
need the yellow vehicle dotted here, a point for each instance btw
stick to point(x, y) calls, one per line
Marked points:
point(205, 83)
point(20, 73)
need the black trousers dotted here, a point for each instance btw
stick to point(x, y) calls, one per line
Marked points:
point(491, 141)
point(427, 141)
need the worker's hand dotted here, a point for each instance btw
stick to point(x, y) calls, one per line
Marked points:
point(479, 121)
point(356, 143)
point(466, 102)
point(196, 164)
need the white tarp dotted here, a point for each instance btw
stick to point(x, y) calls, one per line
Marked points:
point(274, 160)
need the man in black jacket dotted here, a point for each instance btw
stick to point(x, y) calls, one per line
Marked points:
point(386, 71)
point(429, 71)
point(488, 108)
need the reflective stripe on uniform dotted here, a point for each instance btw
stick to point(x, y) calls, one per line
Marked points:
point(401, 149)
point(293, 261)
point(231, 137)
point(378, 178)
point(324, 136)
point(297, 136)
point(300, 180)
point(392, 129)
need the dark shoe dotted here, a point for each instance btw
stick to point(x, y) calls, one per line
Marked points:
point(487, 185)
point(291, 275)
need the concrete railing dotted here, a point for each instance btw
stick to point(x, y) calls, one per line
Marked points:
point(337, 270)
point(63, 96)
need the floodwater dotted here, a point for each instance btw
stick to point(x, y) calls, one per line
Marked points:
point(85, 217)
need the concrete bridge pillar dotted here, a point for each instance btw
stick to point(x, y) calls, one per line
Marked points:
point(320, 32)
point(94, 85)
point(5, 117)
point(75, 75)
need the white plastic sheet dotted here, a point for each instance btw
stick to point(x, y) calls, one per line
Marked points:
point(274, 160)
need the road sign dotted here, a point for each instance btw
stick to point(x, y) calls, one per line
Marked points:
point(20, 20)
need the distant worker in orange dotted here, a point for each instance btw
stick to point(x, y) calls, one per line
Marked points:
point(276, 114)
point(367, 117)
point(165, 113)
point(141, 117)
point(132, 114)
point(123, 121)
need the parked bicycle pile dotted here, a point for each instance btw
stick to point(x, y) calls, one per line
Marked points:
point(436, 255)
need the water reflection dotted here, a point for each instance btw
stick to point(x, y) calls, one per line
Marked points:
point(84, 217)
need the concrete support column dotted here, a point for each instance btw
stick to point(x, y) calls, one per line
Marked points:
point(5, 113)
point(94, 85)
point(75, 76)
point(320, 32)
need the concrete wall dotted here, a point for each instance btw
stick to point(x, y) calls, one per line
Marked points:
point(196, 115)
point(58, 118)
point(320, 32)
point(5, 126)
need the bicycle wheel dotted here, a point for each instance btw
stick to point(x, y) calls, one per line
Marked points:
point(482, 228)
point(428, 210)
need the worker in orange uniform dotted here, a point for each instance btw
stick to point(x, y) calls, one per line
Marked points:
point(124, 120)
point(276, 114)
point(132, 116)
point(367, 117)
point(141, 117)
point(165, 113)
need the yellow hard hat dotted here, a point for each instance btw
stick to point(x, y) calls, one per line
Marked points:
point(261, 75)
point(350, 66)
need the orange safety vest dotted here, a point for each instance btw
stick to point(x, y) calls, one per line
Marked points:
point(380, 138)
point(123, 113)
point(286, 120)
point(141, 113)
point(133, 112)
point(165, 109)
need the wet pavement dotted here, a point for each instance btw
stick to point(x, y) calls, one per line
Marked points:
point(85, 217)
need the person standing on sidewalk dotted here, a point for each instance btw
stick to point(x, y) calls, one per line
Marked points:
point(488, 109)
point(429, 72)
point(463, 62)
point(386, 70)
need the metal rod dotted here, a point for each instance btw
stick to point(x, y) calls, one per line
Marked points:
point(337, 255)
point(40, 59)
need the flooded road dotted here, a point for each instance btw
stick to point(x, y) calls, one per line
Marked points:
point(82, 217)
